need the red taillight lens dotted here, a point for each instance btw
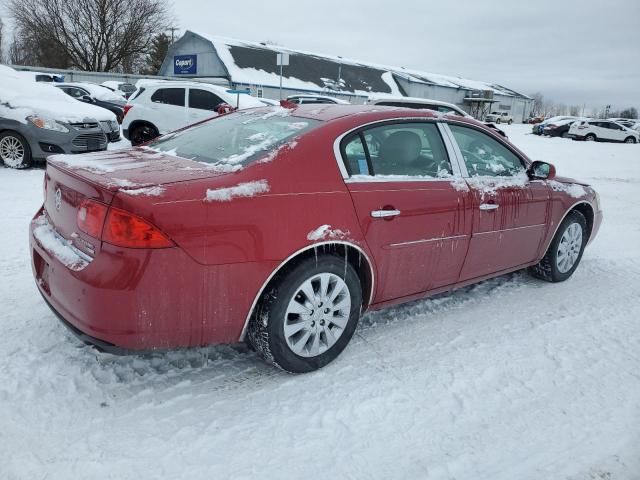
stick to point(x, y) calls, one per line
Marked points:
point(124, 229)
point(126, 108)
point(90, 218)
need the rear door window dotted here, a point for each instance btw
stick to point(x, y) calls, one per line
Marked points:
point(413, 149)
point(169, 96)
point(203, 99)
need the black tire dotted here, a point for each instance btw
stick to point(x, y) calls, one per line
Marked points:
point(266, 328)
point(498, 121)
point(565, 135)
point(510, 122)
point(547, 269)
point(630, 140)
point(142, 133)
point(27, 158)
point(590, 138)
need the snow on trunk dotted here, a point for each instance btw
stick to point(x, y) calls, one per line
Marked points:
point(247, 189)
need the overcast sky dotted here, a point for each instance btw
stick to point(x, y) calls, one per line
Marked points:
point(573, 51)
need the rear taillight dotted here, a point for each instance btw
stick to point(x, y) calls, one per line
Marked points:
point(124, 229)
point(91, 215)
point(119, 227)
point(126, 109)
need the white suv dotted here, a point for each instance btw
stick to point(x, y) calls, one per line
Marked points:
point(499, 117)
point(419, 103)
point(603, 131)
point(160, 107)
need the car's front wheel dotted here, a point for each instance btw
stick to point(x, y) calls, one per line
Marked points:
point(590, 138)
point(565, 252)
point(14, 150)
point(510, 122)
point(307, 317)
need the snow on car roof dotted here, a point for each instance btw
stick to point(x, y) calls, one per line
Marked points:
point(98, 91)
point(333, 99)
point(252, 62)
point(20, 99)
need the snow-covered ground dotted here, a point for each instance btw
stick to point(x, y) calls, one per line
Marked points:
point(511, 379)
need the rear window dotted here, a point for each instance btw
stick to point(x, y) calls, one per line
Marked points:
point(237, 139)
point(169, 96)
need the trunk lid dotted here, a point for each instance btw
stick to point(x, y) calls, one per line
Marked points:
point(70, 179)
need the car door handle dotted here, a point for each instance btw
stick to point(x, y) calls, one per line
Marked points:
point(489, 206)
point(385, 213)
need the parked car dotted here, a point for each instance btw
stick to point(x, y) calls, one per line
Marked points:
point(303, 99)
point(428, 104)
point(559, 128)
point(83, 94)
point(602, 131)
point(163, 106)
point(41, 76)
point(536, 119)
point(124, 88)
point(280, 227)
point(419, 103)
point(37, 119)
point(538, 129)
point(499, 117)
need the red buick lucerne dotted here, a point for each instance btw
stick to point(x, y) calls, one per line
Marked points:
point(281, 226)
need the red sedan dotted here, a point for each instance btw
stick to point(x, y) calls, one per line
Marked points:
point(280, 227)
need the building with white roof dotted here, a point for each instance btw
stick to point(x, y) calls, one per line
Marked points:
point(252, 65)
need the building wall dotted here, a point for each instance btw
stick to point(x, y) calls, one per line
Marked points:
point(208, 63)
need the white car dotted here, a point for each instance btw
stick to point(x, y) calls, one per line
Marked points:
point(121, 88)
point(602, 131)
point(419, 103)
point(160, 107)
point(322, 99)
point(499, 117)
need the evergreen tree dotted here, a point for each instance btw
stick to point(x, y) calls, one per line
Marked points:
point(157, 52)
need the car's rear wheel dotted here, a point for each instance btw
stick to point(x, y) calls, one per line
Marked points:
point(510, 122)
point(630, 140)
point(307, 317)
point(590, 138)
point(14, 150)
point(565, 252)
point(498, 121)
point(143, 133)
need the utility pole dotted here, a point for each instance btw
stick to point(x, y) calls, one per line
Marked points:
point(172, 29)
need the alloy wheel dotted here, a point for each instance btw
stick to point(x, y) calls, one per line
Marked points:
point(317, 315)
point(12, 151)
point(569, 247)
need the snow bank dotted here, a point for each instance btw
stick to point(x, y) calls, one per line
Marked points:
point(248, 189)
point(324, 232)
point(57, 246)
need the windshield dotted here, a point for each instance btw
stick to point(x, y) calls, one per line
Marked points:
point(237, 139)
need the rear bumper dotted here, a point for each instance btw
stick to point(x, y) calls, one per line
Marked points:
point(133, 300)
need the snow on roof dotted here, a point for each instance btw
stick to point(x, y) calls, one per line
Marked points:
point(255, 63)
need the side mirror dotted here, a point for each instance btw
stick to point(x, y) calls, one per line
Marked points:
point(86, 98)
point(541, 171)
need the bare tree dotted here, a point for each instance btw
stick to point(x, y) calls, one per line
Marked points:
point(538, 103)
point(574, 110)
point(94, 35)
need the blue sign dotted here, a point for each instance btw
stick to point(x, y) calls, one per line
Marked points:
point(239, 92)
point(185, 64)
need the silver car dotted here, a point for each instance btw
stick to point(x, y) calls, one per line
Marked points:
point(22, 143)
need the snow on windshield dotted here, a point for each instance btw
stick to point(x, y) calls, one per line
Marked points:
point(233, 141)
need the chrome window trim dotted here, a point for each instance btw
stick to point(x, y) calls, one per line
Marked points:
point(243, 333)
point(455, 164)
